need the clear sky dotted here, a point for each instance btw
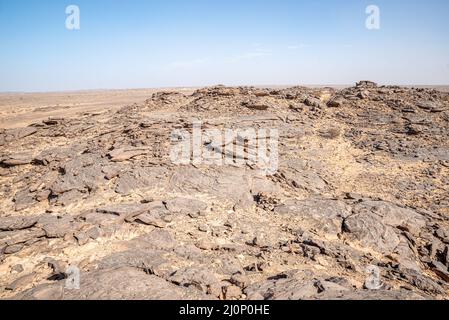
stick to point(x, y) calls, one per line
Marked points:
point(166, 43)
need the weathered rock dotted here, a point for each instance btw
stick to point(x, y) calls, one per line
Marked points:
point(324, 215)
point(189, 252)
point(369, 143)
point(430, 106)
point(256, 106)
point(240, 280)
point(336, 102)
point(17, 159)
point(16, 134)
point(376, 224)
point(23, 200)
point(314, 102)
point(18, 268)
point(101, 219)
point(14, 248)
point(151, 220)
point(17, 223)
point(126, 211)
point(158, 239)
point(80, 176)
point(111, 172)
point(186, 206)
point(123, 154)
point(422, 282)
point(441, 270)
point(43, 292)
point(287, 288)
point(366, 84)
point(57, 226)
point(11, 238)
point(82, 238)
point(231, 184)
point(284, 289)
point(140, 179)
point(149, 260)
point(301, 177)
point(23, 281)
point(198, 277)
point(232, 292)
point(372, 232)
point(124, 283)
point(372, 295)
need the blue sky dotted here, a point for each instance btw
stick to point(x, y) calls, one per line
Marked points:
point(164, 43)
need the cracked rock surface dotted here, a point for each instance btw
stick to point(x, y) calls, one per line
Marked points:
point(363, 181)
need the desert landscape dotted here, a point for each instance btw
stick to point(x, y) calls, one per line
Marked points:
point(358, 207)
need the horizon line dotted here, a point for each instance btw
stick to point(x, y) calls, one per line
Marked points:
point(214, 85)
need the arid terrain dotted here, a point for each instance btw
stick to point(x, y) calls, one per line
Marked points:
point(358, 208)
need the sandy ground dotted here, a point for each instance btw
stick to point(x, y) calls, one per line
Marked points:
point(22, 109)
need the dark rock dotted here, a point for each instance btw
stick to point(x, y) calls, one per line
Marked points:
point(422, 282)
point(364, 94)
point(14, 248)
point(441, 270)
point(366, 84)
point(18, 159)
point(337, 102)
point(313, 102)
point(431, 106)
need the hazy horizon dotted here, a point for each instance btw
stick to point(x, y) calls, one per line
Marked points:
point(173, 44)
point(441, 87)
